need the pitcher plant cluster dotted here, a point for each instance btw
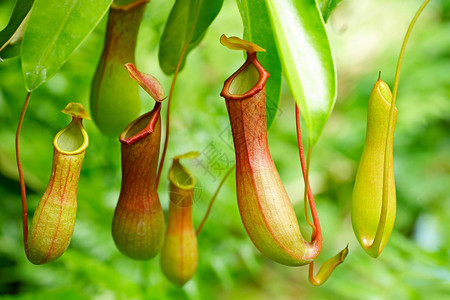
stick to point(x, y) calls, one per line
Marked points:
point(141, 229)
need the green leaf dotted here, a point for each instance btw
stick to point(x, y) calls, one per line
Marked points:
point(326, 7)
point(55, 29)
point(10, 50)
point(259, 30)
point(308, 64)
point(9, 39)
point(185, 28)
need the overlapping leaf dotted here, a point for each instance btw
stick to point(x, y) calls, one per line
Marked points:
point(55, 29)
point(185, 28)
point(307, 60)
point(258, 29)
point(9, 41)
point(327, 7)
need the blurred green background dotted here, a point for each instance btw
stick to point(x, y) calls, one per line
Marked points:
point(366, 37)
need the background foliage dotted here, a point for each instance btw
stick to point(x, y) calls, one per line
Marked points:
point(365, 37)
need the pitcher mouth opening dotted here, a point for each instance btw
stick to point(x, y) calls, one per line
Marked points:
point(247, 81)
point(73, 139)
point(141, 127)
point(181, 177)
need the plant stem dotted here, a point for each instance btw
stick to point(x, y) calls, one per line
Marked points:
point(166, 138)
point(381, 225)
point(316, 226)
point(308, 160)
point(213, 199)
point(22, 181)
point(169, 101)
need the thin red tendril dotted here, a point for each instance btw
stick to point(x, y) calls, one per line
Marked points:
point(22, 181)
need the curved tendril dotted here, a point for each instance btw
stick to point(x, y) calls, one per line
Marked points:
point(214, 198)
point(308, 160)
point(169, 101)
point(22, 181)
point(383, 215)
point(328, 267)
point(317, 232)
point(306, 179)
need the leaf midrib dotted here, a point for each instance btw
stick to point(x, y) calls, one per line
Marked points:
point(60, 29)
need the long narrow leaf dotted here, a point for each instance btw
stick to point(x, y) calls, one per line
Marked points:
point(258, 29)
point(185, 28)
point(308, 64)
point(55, 29)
